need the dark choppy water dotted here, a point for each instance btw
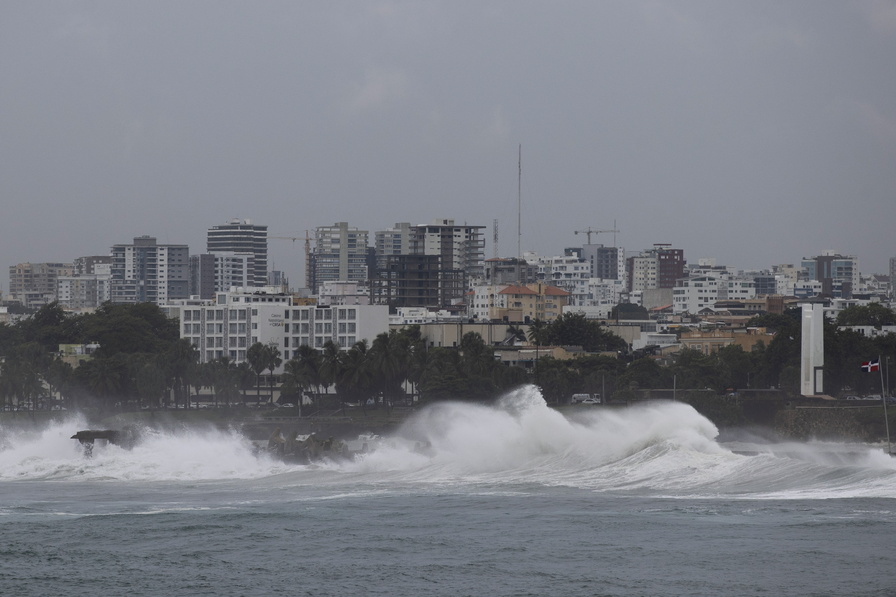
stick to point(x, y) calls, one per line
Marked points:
point(512, 500)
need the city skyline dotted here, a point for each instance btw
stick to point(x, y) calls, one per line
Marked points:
point(689, 260)
point(753, 133)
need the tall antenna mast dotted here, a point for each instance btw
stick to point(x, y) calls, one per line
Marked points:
point(495, 239)
point(519, 204)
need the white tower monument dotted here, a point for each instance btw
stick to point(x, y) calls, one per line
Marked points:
point(812, 351)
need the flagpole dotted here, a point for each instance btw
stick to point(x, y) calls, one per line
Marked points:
point(883, 396)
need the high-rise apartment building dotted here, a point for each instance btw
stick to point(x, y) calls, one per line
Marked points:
point(148, 272)
point(92, 264)
point(461, 247)
point(242, 236)
point(87, 291)
point(606, 262)
point(428, 265)
point(340, 254)
point(394, 241)
point(654, 268)
point(219, 272)
point(34, 284)
point(838, 274)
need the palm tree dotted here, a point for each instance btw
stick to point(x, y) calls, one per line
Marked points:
point(178, 362)
point(272, 361)
point(389, 360)
point(539, 331)
point(224, 380)
point(418, 356)
point(355, 377)
point(330, 364)
point(514, 334)
point(8, 382)
point(58, 377)
point(151, 384)
point(310, 365)
point(245, 378)
point(104, 377)
point(257, 358)
point(295, 380)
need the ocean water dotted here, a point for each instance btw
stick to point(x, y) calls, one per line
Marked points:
point(508, 499)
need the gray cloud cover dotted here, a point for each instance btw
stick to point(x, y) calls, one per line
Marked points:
point(754, 132)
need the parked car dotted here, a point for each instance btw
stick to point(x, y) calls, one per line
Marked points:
point(585, 399)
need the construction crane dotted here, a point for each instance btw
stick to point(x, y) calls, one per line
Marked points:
point(589, 231)
point(307, 240)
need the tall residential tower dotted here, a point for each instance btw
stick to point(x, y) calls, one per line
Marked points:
point(243, 237)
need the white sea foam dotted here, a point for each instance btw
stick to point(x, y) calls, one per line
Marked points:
point(662, 448)
point(158, 456)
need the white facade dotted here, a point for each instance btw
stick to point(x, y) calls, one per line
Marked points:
point(233, 270)
point(691, 295)
point(342, 324)
point(340, 253)
point(695, 293)
point(786, 276)
point(602, 292)
point(736, 289)
point(234, 321)
point(87, 291)
point(570, 273)
point(806, 289)
point(238, 319)
point(343, 293)
point(644, 272)
point(421, 315)
point(485, 299)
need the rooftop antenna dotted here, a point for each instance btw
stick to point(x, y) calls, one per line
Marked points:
point(495, 239)
point(519, 204)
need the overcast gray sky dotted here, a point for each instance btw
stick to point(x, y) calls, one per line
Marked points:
point(754, 132)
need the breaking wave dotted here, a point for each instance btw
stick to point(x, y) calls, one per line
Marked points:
point(194, 455)
point(657, 449)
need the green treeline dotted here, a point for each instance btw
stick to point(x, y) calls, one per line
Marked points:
point(141, 362)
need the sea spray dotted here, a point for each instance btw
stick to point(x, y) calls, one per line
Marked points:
point(519, 434)
point(187, 454)
point(515, 443)
point(666, 448)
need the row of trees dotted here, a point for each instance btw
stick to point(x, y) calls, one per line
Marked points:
point(776, 365)
point(395, 363)
point(141, 358)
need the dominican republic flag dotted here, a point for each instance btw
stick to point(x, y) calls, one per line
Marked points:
point(871, 366)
